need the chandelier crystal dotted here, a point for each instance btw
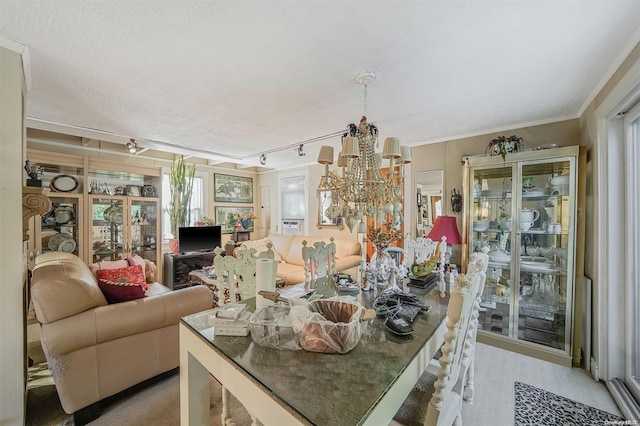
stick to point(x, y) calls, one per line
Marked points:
point(361, 188)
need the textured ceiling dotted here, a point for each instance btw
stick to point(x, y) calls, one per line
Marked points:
point(235, 79)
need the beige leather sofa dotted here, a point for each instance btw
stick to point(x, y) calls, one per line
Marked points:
point(288, 254)
point(95, 349)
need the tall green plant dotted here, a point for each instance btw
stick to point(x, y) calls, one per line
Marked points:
point(181, 186)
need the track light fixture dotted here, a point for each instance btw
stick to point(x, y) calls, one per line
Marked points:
point(263, 159)
point(299, 150)
point(132, 146)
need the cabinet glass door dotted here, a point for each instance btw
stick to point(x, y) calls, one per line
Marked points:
point(59, 227)
point(491, 227)
point(144, 228)
point(545, 228)
point(107, 228)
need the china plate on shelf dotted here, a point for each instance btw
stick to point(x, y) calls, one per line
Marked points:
point(537, 266)
point(494, 193)
point(539, 192)
point(62, 242)
point(62, 217)
point(64, 183)
point(534, 231)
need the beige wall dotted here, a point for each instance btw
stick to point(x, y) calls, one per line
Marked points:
point(11, 250)
point(315, 172)
point(447, 156)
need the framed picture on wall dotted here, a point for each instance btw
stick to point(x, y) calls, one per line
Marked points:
point(232, 189)
point(235, 219)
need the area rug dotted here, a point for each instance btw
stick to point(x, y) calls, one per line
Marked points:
point(155, 402)
point(535, 406)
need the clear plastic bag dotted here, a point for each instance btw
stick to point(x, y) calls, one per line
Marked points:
point(271, 327)
point(328, 325)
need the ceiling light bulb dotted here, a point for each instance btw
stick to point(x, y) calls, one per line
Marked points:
point(132, 146)
point(299, 150)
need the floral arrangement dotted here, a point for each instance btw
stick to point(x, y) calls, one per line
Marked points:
point(244, 215)
point(503, 145)
point(381, 238)
point(207, 220)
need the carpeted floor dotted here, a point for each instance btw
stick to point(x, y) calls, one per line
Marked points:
point(537, 407)
point(156, 402)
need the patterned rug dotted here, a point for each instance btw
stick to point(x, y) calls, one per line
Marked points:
point(535, 406)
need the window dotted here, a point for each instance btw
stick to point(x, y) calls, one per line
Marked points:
point(292, 200)
point(197, 204)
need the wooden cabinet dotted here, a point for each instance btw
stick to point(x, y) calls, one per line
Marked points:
point(528, 209)
point(62, 227)
point(178, 266)
point(101, 210)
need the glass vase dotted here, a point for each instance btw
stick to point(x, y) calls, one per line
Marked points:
point(383, 268)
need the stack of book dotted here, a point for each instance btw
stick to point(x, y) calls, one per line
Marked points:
point(426, 282)
point(231, 320)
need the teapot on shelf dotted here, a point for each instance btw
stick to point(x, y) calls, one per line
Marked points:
point(527, 218)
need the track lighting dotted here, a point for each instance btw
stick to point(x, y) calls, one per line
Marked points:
point(299, 150)
point(132, 146)
point(263, 159)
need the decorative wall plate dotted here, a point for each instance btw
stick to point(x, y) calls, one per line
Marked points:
point(64, 183)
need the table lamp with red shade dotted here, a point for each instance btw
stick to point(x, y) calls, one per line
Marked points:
point(445, 230)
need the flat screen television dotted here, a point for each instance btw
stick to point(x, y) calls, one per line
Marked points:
point(199, 238)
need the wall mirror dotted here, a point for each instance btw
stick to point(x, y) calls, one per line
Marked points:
point(326, 199)
point(428, 200)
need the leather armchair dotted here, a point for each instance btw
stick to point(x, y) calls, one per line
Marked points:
point(95, 349)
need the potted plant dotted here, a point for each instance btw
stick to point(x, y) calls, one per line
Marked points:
point(181, 187)
point(503, 145)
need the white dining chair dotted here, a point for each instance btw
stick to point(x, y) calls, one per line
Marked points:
point(419, 250)
point(478, 263)
point(239, 274)
point(319, 259)
point(437, 399)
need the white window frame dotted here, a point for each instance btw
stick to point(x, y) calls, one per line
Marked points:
point(204, 177)
point(290, 174)
point(611, 198)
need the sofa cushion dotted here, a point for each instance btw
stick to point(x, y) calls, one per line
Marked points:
point(122, 285)
point(117, 264)
point(281, 244)
point(292, 274)
point(62, 285)
point(294, 255)
point(150, 270)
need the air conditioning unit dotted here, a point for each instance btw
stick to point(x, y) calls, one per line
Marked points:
point(291, 226)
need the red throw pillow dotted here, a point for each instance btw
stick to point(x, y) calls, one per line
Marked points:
point(123, 284)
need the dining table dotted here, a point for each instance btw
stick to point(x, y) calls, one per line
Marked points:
point(281, 387)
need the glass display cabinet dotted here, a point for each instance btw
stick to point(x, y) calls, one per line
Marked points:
point(60, 229)
point(525, 210)
point(123, 226)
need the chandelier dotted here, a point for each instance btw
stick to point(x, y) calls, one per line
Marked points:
point(361, 188)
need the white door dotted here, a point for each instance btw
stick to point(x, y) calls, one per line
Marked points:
point(265, 210)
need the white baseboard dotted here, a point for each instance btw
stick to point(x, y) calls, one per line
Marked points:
point(595, 370)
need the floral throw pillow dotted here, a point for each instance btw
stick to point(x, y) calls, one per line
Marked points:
point(123, 284)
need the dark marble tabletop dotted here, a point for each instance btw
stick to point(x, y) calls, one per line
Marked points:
point(330, 389)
